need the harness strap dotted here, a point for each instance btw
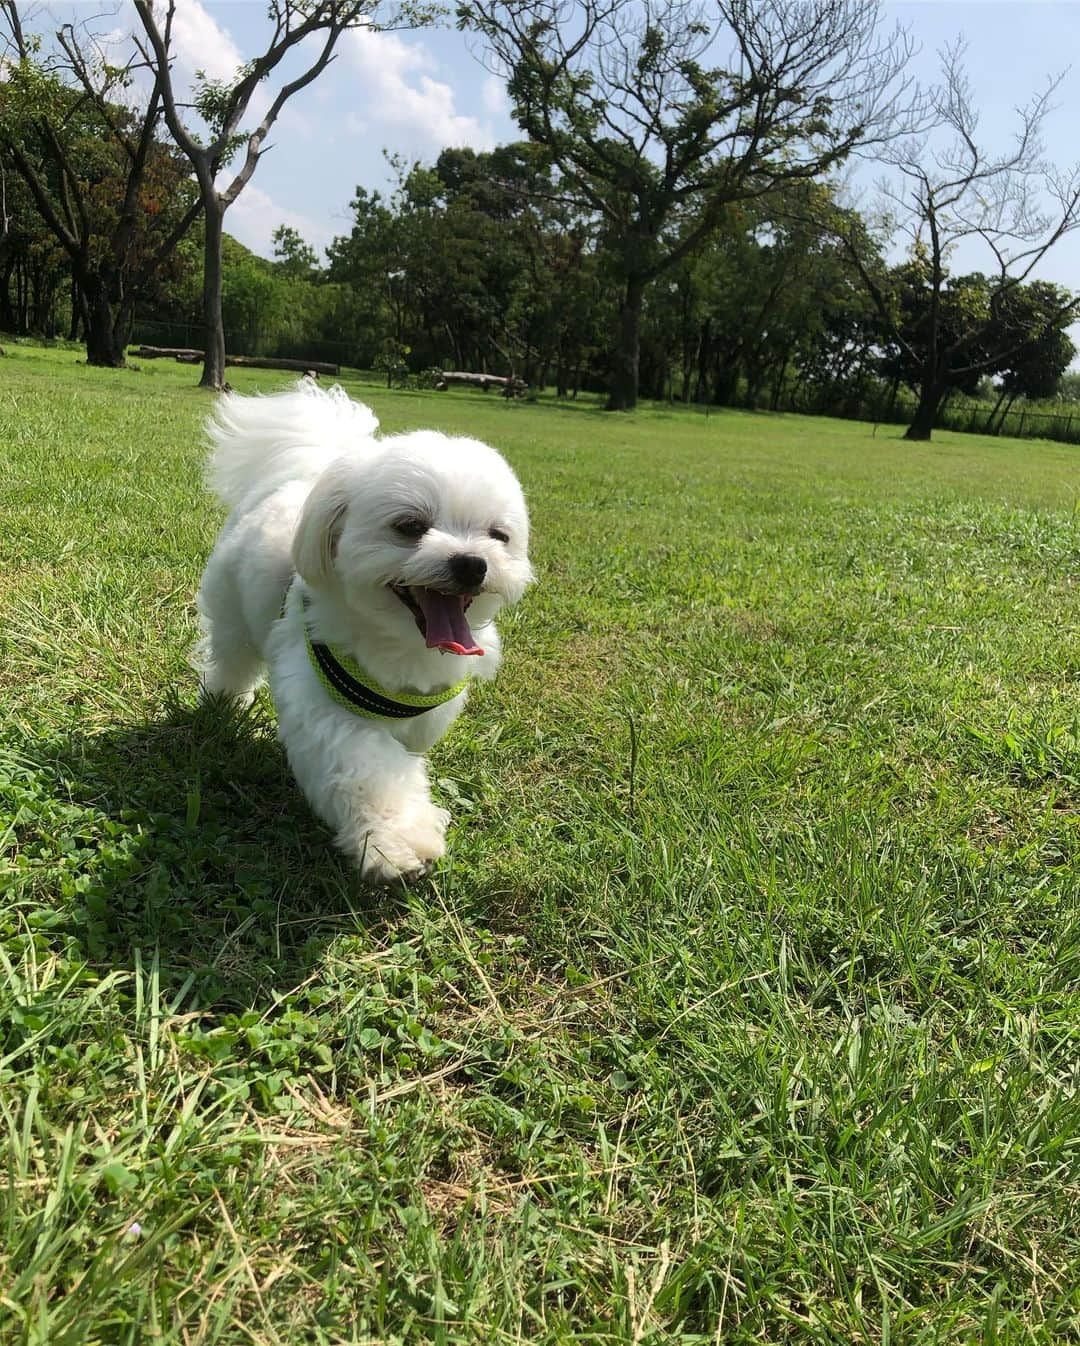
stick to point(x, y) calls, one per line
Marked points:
point(356, 690)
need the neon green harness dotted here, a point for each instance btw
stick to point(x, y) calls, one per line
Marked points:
point(356, 690)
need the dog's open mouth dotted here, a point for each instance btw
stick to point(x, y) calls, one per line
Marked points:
point(440, 617)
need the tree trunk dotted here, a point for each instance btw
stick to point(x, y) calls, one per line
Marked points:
point(84, 313)
point(778, 381)
point(922, 425)
point(690, 363)
point(213, 375)
point(704, 353)
point(22, 293)
point(626, 357)
point(76, 311)
point(894, 392)
point(7, 312)
point(104, 339)
point(725, 382)
point(989, 430)
point(39, 302)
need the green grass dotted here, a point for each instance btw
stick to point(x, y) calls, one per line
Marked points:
point(746, 1006)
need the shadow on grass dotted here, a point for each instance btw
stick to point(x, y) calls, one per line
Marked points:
point(186, 837)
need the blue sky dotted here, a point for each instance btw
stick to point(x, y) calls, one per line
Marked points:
point(412, 93)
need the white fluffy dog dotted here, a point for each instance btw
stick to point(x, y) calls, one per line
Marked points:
point(345, 570)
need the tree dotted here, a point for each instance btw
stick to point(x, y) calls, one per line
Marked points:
point(33, 266)
point(254, 297)
point(223, 108)
point(113, 196)
point(477, 261)
point(977, 329)
point(294, 258)
point(1037, 314)
point(627, 98)
point(361, 264)
point(766, 304)
point(945, 189)
point(473, 255)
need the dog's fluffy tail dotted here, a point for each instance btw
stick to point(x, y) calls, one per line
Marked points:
point(260, 443)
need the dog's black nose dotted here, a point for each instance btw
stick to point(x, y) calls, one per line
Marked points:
point(468, 570)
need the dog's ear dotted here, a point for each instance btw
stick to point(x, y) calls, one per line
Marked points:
point(321, 521)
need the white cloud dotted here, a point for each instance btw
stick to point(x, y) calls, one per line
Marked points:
point(254, 215)
point(199, 41)
point(202, 44)
point(495, 99)
point(399, 93)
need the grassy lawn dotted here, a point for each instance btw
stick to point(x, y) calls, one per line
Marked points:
point(747, 1004)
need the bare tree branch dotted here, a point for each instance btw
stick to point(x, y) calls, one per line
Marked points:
point(291, 24)
point(943, 189)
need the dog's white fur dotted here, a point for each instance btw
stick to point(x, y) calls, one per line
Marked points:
point(313, 490)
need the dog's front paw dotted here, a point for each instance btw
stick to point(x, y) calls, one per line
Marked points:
point(425, 825)
point(403, 847)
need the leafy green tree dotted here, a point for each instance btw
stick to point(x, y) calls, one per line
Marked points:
point(33, 266)
point(114, 197)
point(255, 299)
point(295, 258)
point(751, 313)
point(475, 262)
point(1034, 325)
point(635, 108)
point(968, 327)
point(362, 269)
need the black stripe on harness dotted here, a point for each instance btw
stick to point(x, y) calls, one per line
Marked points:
point(364, 698)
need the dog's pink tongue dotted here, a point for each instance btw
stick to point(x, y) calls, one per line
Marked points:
point(444, 615)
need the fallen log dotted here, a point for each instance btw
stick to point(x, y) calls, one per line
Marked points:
point(165, 352)
point(270, 362)
point(510, 387)
point(186, 355)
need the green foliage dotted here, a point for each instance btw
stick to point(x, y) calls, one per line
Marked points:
point(213, 101)
point(294, 258)
point(88, 191)
point(254, 301)
point(475, 265)
point(973, 327)
point(1033, 323)
point(33, 268)
point(393, 360)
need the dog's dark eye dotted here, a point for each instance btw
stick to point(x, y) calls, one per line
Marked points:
point(499, 534)
point(412, 528)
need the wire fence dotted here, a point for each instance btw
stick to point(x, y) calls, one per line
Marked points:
point(1023, 423)
point(1018, 421)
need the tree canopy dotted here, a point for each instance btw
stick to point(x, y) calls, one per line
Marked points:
point(661, 116)
point(754, 282)
point(112, 194)
point(944, 188)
